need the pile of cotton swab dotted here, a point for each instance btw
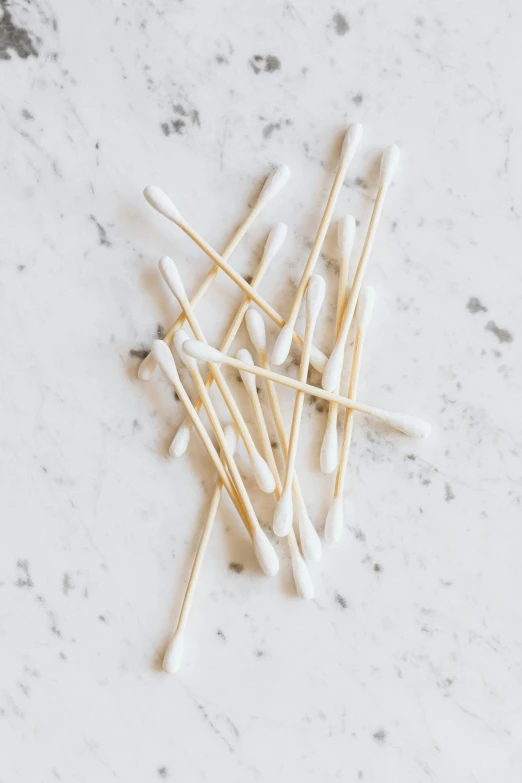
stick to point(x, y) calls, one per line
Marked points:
point(291, 520)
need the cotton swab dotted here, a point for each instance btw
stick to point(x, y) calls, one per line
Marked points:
point(159, 201)
point(275, 181)
point(265, 553)
point(334, 366)
point(310, 541)
point(284, 339)
point(409, 425)
point(174, 652)
point(260, 469)
point(302, 579)
point(273, 243)
point(284, 510)
point(345, 238)
point(334, 521)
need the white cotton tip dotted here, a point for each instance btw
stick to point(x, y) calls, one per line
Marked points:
point(365, 306)
point(174, 654)
point(274, 182)
point(274, 242)
point(247, 377)
point(231, 436)
point(147, 368)
point(346, 235)
point(203, 352)
point(333, 370)
point(170, 273)
point(389, 163)
point(329, 447)
point(315, 293)
point(302, 579)
point(165, 359)
point(180, 441)
point(159, 201)
point(409, 425)
point(351, 141)
point(334, 525)
point(318, 359)
point(262, 473)
point(256, 329)
point(283, 514)
point(282, 345)
point(310, 541)
point(265, 553)
point(180, 338)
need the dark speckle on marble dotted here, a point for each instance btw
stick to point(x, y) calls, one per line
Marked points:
point(21, 267)
point(67, 584)
point(361, 183)
point(380, 736)
point(236, 567)
point(160, 332)
point(27, 115)
point(221, 59)
point(503, 335)
point(377, 568)
point(449, 495)
point(343, 603)
point(340, 24)
point(411, 457)
point(221, 635)
point(359, 534)
point(102, 618)
point(358, 99)
point(260, 653)
point(138, 353)
point(163, 772)
point(14, 39)
point(270, 63)
point(24, 579)
point(270, 128)
point(102, 234)
point(474, 305)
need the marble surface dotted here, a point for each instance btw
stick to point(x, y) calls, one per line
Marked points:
point(406, 665)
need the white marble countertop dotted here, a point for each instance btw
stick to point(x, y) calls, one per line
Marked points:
point(406, 665)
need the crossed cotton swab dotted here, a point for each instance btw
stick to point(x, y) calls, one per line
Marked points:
point(273, 184)
point(302, 579)
point(159, 201)
point(174, 652)
point(272, 245)
point(334, 521)
point(284, 339)
point(284, 510)
point(260, 469)
point(310, 542)
point(334, 365)
point(345, 238)
point(409, 425)
point(264, 550)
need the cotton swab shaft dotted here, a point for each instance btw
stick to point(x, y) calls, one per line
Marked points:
point(284, 339)
point(310, 542)
point(273, 243)
point(332, 372)
point(161, 202)
point(409, 425)
point(345, 235)
point(174, 651)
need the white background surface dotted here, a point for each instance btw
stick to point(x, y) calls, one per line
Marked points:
point(410, 672)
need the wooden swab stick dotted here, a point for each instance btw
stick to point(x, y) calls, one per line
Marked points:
point(273, 243)
point(273, 184)
point(174, 652)
point(159, 200)
point(345, 237)
point(265, 553)
point(334, 521)
point(284, 510)
point(409, 425)
point(284, 339)
point(334, 366)
point(310, 542)
point(260, 469)
point(302, 579)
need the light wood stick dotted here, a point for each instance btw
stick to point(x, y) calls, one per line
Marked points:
point(284, 339)
point(274, 182)
point(273, 243)
point(409, 425)
point(174, 652)
point(163, 204)
point(334, 366)
point(345, 238)
point(284, 509)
